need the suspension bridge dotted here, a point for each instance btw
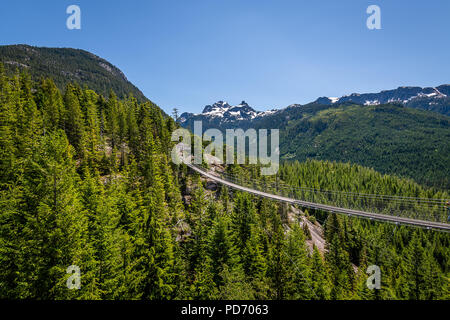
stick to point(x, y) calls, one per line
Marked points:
point(426, 213)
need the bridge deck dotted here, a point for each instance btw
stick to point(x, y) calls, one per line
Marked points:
point(312, 205)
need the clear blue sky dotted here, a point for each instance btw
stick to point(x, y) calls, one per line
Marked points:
point(189, 53)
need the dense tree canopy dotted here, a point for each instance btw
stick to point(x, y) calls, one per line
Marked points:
point(87, 181)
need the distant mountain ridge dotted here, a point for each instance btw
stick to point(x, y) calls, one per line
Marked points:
point(65, 65)
point(222, 114)
point(434, 99)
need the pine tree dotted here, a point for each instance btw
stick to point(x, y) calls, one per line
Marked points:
point(50, 103)
point(279, 262)
point(73, 119)
point(7, 147)
point(28, 118)
point(203, 286)
point(255, 265)
point(12, 284)
point(319, 277)
point(362, 291)
point(221, 249)
point(299, 286)
point(342, 275)
point(242, 219)
point(112, 120)
point(151, 266)
point(91, 140)
point(235, 285)
point(132, 108)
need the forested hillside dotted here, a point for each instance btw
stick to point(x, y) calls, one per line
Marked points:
point(389, 138)
point(414, 263)
point(67, 65)
point(87, 181)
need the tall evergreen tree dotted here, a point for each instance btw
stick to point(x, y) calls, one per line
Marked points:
point(73, 119)
point(319, 277)
point(50, 103)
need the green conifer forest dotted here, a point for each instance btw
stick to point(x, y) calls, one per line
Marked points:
point(87, 180)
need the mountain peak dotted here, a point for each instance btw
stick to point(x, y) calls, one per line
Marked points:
point(223, 112)
point(219, 106)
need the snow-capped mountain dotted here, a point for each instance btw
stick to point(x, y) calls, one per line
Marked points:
point(221, 113)
point(404, 95)
point(223, 110)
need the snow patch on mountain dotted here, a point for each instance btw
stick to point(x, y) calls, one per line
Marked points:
point(333, 99)
point(224, 112)
point(403, 95)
